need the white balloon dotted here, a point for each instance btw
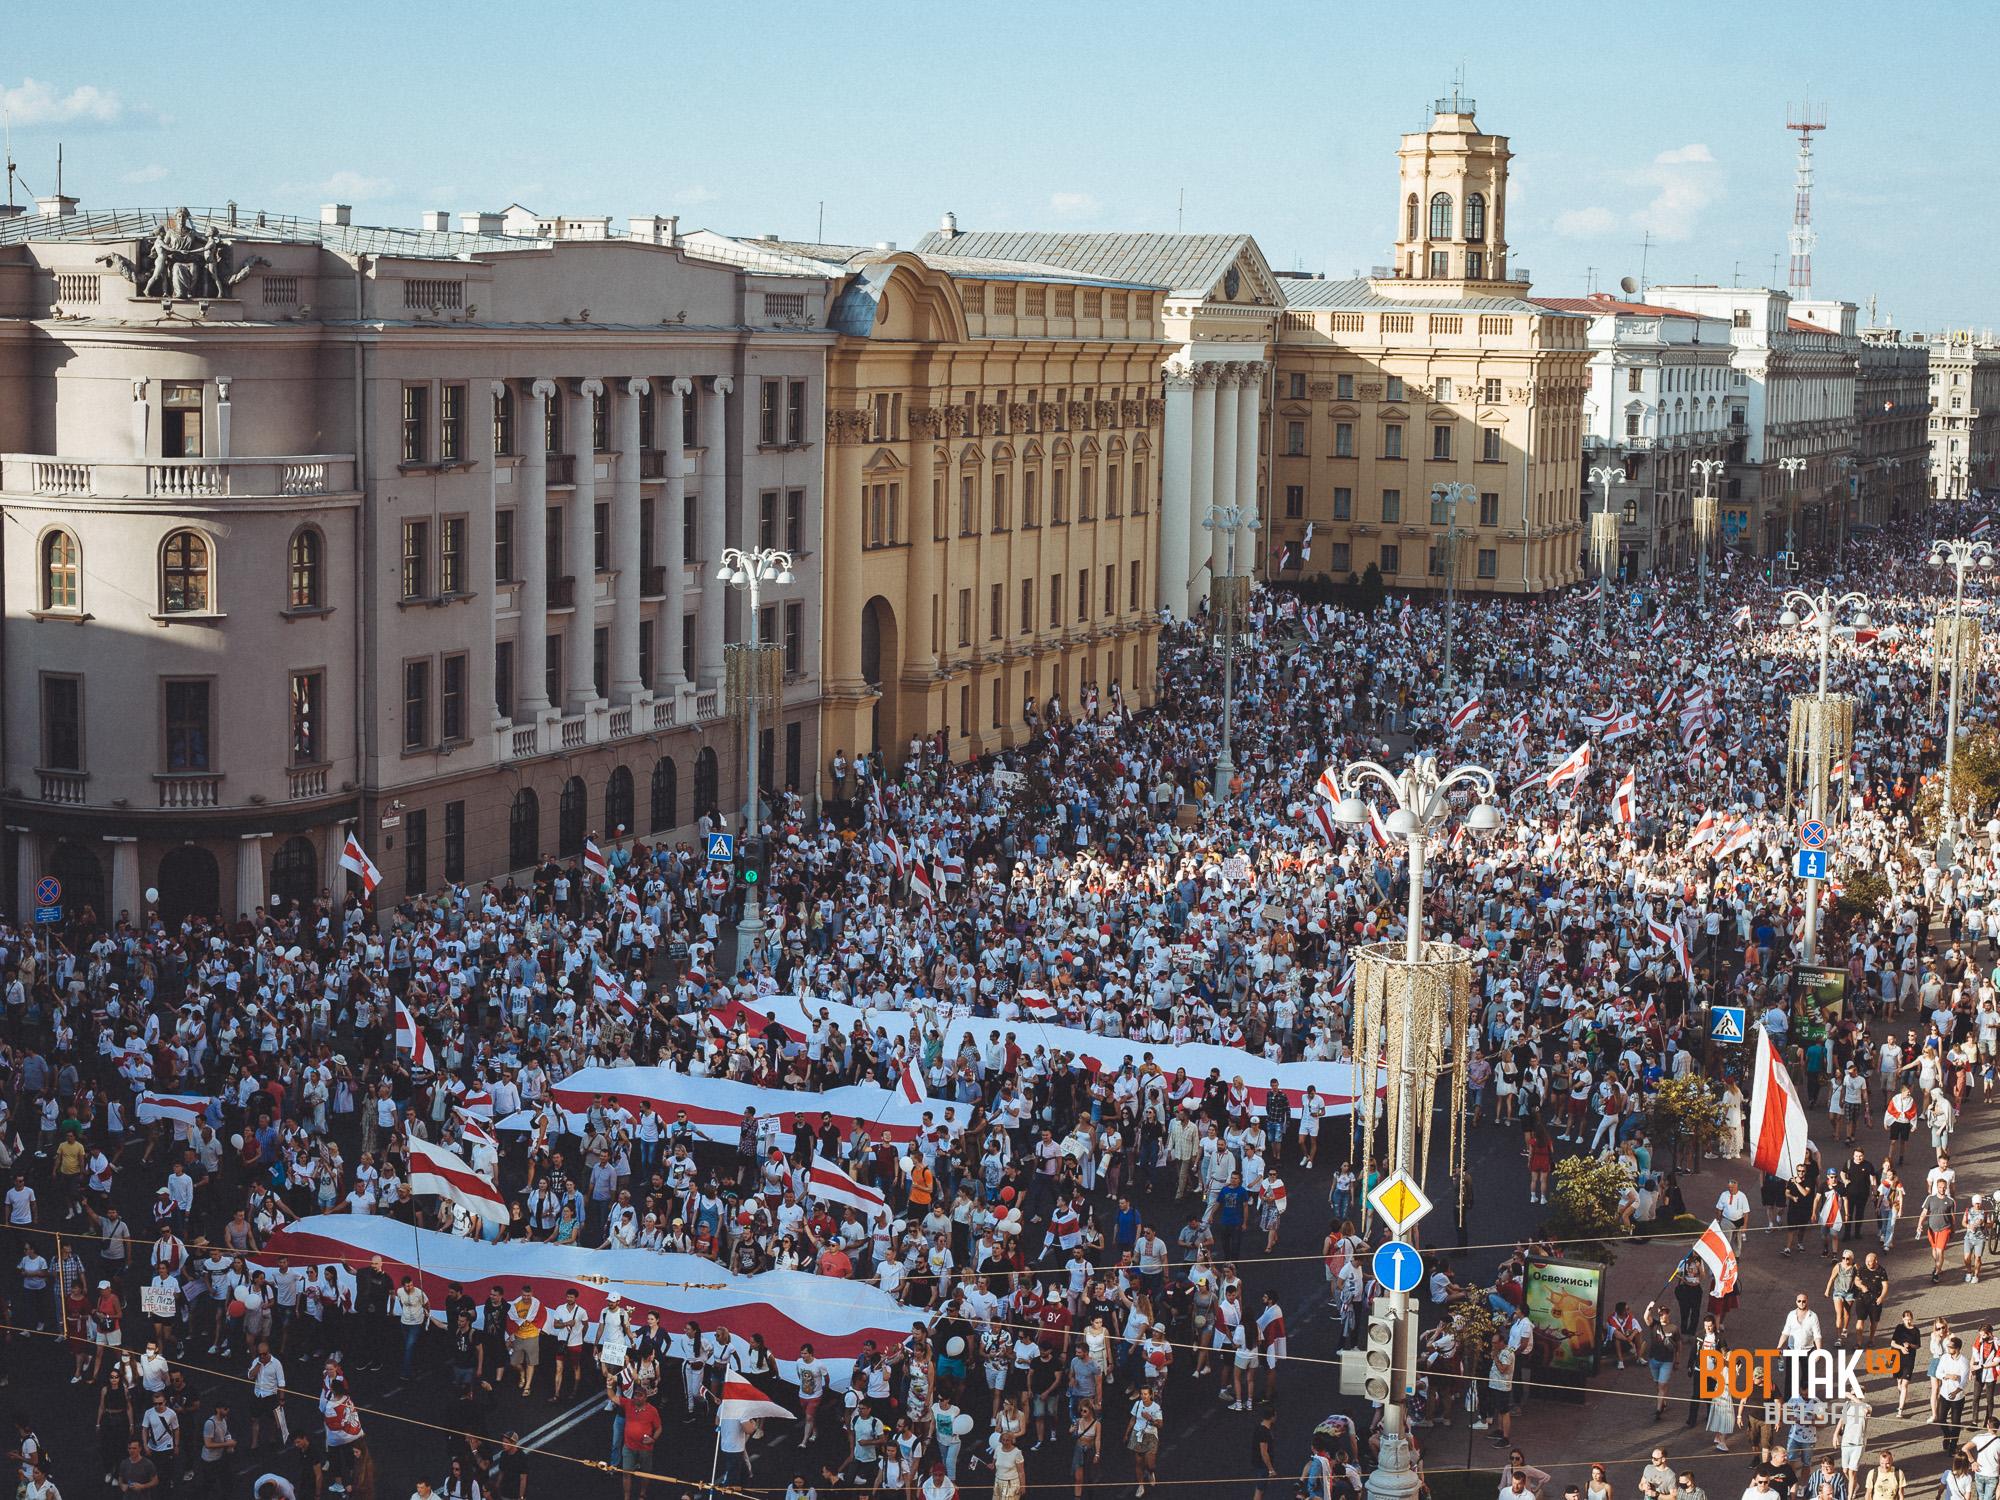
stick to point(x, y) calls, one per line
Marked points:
point(152, 893)
point(962, 1424)
point(954, 1346)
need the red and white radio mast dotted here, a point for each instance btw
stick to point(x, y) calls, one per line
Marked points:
point(1802, 123)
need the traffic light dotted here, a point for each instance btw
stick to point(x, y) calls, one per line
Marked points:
point(1382, 1348)
point(749, 863)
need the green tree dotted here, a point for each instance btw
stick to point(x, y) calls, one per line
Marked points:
point(1371, 592)
point(1975, 775)
point(1685, 1113)
point(1584, 1197)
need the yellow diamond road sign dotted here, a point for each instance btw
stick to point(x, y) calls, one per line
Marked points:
point(1399, 1201)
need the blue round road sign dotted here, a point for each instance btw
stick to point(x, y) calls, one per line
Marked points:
point(1813, 834)
point(48, 891)
point(1398, 1267)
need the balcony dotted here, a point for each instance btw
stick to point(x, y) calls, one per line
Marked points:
point(176, 478)
point(708, 703)
point(652, 464)
point(562, 468)
point(562, 592)
point(305, 782)
point(189, 789)
point(604, 723)
point(65, 788)
point(654, 584)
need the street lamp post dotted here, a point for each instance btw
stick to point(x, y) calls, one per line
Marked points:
point(1705, 524)
point(1961, 553)
point(1422, 797)
point(1793, 467)
point(1823, 613)
point(1604, 536)
point(1229, 519)
point(1450, 494)
point(750, 569)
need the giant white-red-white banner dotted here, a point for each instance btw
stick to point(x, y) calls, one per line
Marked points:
point(788, 1308)
point(715, 1106)
point(1334, 1081)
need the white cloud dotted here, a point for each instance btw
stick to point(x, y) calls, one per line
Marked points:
point(1072, 203)
point(1685, 181)
point(1584, 223)
point(38, 103)
point(1695, 152)
point(154, 173)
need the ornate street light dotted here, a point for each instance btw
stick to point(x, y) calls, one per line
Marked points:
point(750, 569)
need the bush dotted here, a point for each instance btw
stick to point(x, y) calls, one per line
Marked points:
point(1584, 1194)
point(1685, 1111)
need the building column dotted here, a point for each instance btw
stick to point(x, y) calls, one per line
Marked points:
point(125, 892)
point(1227, 384)
point(628, 579)
point(1176, 459)
point(711, 533)
point(1201, 493)
point(27, 870)
point(531, 546)
point(580, 545)
point(250, 887)
point(668, 678)
point(1249, 406)
point(140, 412)
point(485, 567)
point(223, 411)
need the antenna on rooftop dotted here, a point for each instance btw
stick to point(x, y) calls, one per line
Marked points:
point(1803, 122)
point(1180, 213)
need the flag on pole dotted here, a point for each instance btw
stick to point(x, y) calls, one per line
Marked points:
point(1668, 936)
point(1378, 832)
point(355, 858)
point(1328, 785)
point(1714, 1249)
point(1740, 617)
point(1624, 801)
point(608, 992)
point(1659, 625)
point(826, 1182)
point(410, 1038)
point(1321, 817)
point(895, 847)
point(1464, 714)
point(1575, 766)
point(1980, 530)
point(595, 865)
point(1518, 725)
point(1345, 987)
point(433, 1169)
point(1706, 827)
point(475, 1131)
point(1406, 621)
point(741, 1401)
point(920, 885)
point(1036, 1003)
point(908, 1084)
point(1777, 1118)
point(1620, 727)
point(1736, 840)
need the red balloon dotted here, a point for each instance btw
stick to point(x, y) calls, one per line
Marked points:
point(1006, 1195)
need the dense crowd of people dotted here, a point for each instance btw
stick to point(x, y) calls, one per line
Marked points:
point(1085, 1253)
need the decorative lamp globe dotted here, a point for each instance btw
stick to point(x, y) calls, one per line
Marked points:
point(1350, 811)
point(1402, 822)
point(1483, 818)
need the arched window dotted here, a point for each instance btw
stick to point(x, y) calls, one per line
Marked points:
point(294, 875)
point(570, 814)
point(62, 572)
point(1440, 216)
point(304, 591)
point(618, 803)
point(1475, 217)
point(1411, 212)
point(707, 783)
point(184, 574)
point(666, 793)
point(524, 829)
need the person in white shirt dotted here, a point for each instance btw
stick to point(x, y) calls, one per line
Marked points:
point(1733, 1208)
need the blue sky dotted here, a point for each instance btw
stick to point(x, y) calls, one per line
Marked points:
point(1279, 119)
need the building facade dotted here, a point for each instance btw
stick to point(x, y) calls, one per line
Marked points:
point(1891, 418)
point(1657, 410)
point(411, 533)
point(1437, 371)
point(1964, 376)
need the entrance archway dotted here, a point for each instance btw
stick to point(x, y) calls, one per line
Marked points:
point(82, 875)
point(295, 875)
point(190, 885)
point(882, 667)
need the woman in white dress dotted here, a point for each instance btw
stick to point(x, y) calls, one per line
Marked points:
point(1853, 1437)
point(1732, 1121)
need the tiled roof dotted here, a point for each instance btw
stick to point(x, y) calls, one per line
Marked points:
point(1190, 263)
point(1355, 294)
point(829, 259)
point(1599, 303)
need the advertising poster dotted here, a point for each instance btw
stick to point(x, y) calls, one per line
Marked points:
point(1563, 1303)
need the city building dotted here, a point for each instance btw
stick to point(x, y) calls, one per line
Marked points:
point(1437, 370)
point(994, 430)
point(1792, 379)
point(1658, 404)
point(1891, 419)
point(1964, 373)
point(314, 527)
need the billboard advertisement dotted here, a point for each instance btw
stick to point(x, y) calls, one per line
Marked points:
point(1563, 1301)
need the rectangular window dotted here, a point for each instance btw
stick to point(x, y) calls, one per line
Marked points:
point(1489, 445)
point(795, 638)
point(1392, 388)
point(772, 394)
point(416, 851)
point(1295, 439)
point(1031, 498)
point(1434, 564)
point(996, 612)
point(1489, 508)
point(649, 541)
point(600, 661)
point(795, 520)
point(503, 546)
point(1113, 508)
point(503, 423)
point(1440, 441)
point(1339, 557)
point(965, 617)
point(687, 647)
point(968, 507)
point(1138, 487)
point(552, 660)
point(1027, 605)
point(690, 513)
point(767, 625)
point(1296, 387)
point(451, 423)
point(1475, 264)
point(1489, 563)
point(416, 423)
point(416, 703)
point(307, 699)
point(454, 841)
point(794, 754)
point(600, 423)
point(999, 692)
point(1440, 266)
point(1055, 601)
point(1631, 424)
point(1392, 440)
point(1392, 506)
point(1343, 387)
point(646, 662)
point(648, 428)
point(452, 675)
point(1138, 578)
point(999, 502)
point(451, 555)
point(1343, 440)
point(416, 559)
point(62, 723)
point(1343, 503)
point(1392, 560)
point(688, 434)
point(1110, 594)
point(503, 679)
point(1083, 593)
point(1086, 494)
point(1295, 501)
point(1635, 379)
point(180, 420)
point(767, 519)
point(1059, 497)
point(1441, 389)
point(795, 412)
point(1492, 396)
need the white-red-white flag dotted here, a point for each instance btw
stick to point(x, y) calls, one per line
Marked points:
point(608, 992)
point(1736, 840)
point(185, 1110)
point(1464, 714)
point(908, 1084)
point(1625, 800)
point(1378, 831)
point(1321, 817)
point(433, 1169)
point(741, 1401)
point(1575, 766)
point(1706, 827)
point(920, 885)
point(355, 858)
point(1740, 616)
point(1625, 724)
point(1328, 785)
point(1036, 1003)
point(829, 1184)
point(595, 865)
point(1714, 1249)
point(410, 1038)
point(1777, 1118)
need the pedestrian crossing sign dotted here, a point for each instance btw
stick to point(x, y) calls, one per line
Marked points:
point(1399, 1201)
point(1726, 1023)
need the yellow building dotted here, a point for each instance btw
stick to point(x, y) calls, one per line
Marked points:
point(1436, 371)
point(992, 494)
